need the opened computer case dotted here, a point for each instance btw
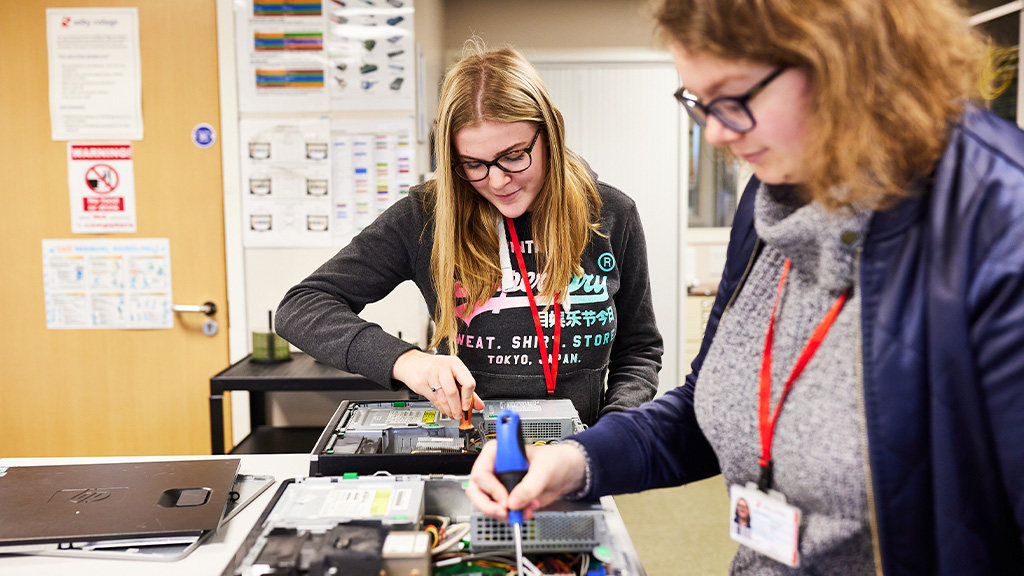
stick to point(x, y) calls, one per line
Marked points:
point(419, 525)
point(414, 437)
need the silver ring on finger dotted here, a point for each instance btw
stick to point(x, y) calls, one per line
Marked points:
point(433, 389)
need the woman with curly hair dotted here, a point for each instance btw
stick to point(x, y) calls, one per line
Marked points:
point(873, 287)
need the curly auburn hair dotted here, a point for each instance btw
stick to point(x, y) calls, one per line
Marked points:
point(888, 77)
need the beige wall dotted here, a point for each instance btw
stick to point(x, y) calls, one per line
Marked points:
point(430, 17)
point(442, 26)
point(533, 25)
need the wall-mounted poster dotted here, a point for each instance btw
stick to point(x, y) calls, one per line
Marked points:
point(101, 183)
point(325, 55)
point(286, 173)
point(95, 74)
point(317, 182)
point(372, 167)
point(107, 284)
point(372, 56)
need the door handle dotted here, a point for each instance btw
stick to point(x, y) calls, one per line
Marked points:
point(208, 308)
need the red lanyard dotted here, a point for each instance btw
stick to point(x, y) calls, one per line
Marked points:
point(550, 365)
point(766, 424)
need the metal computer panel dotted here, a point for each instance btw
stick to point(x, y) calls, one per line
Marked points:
point(542, 420)
point(315, 523)
point(396, 501)
point(563, 531)
point(375, 416)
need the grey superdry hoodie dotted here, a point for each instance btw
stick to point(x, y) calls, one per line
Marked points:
point(608, 327)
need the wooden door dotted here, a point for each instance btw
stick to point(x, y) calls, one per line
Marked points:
point(111, 392)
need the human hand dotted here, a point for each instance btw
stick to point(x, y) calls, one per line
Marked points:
point(443, 380)
point(555, 469)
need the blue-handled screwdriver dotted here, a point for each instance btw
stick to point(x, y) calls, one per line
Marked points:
point(510, 465)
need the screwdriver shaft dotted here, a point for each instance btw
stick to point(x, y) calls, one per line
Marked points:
point(518, 530)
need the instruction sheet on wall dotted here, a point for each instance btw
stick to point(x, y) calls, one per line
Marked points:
point(318, 182)
point(95, 73)
point(107, 284)
point(325, 55)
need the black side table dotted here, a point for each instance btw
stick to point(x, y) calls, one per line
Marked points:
point(301, 373)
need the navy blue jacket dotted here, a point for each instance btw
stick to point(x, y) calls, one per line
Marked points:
point(941, 281)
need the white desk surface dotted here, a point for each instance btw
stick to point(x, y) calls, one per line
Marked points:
point(210, 558)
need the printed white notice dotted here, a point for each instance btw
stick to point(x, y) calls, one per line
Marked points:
point(371, 56)
point(372, 168)
point(286, 172)
point(107, 284)
point(95, 75)
point(101, 181)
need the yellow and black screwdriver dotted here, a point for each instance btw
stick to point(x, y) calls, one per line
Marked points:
point(466, 428)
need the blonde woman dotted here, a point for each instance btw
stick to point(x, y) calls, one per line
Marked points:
point(865, 356)
point(519, 252)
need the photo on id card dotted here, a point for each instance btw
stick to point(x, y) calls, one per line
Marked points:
point(765, 523)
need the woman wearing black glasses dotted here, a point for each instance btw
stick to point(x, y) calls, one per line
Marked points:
point(535, 272)
point(873, 288)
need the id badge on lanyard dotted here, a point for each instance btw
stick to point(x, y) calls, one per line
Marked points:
point(760, 517)
point(765, 523)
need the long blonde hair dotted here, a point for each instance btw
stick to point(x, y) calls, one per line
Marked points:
point(889, 78)
point(501, 86)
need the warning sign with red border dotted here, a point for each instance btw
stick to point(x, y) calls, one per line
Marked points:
point(101, 181)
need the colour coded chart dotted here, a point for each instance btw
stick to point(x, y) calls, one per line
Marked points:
point(288, 41)
point(280, 8)
point(301, 79)
point(332, 55)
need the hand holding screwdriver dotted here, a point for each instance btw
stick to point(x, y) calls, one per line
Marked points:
point(510, 466)
point(554, 470)
point(443, 380)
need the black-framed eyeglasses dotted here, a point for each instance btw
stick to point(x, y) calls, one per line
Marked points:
point(731, 111)
point(512, 161)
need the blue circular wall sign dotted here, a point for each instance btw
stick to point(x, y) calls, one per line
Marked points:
point(203, 135)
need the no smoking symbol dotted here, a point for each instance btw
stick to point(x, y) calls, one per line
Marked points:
point(101, 178)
